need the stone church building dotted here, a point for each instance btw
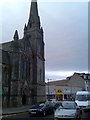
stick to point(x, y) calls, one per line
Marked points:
point(23, 65)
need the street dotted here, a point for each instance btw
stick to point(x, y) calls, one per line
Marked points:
point(25, 116)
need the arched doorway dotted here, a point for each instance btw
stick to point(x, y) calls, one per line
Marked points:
point(24, 98)
point(25, 94)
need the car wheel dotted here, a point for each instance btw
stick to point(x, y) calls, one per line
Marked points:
point(80, 115)
point(55, 119)
point(53, 110)
point(44, 113)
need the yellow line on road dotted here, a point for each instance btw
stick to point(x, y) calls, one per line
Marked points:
point(13, 114)
point(8, 115)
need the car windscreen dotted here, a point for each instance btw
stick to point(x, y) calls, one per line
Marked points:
point(42, 104)
point(37, 107)
point(82, 97)
point(68, 106)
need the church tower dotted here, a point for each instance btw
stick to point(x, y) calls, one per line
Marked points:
point(34, 31)
point(26, 63)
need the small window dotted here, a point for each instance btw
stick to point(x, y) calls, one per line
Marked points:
point(40, 74)
point(30, 40)
point(88, 77)
point(38, 47)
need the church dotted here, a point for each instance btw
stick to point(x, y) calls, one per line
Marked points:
point(23, 65)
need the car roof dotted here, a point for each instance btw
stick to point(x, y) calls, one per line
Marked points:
point(41, 104)
point(82, 93)
point(68, 102)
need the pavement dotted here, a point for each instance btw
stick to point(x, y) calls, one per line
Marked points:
point(15, 110)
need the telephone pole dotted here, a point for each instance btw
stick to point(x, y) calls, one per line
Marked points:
point(48, 86)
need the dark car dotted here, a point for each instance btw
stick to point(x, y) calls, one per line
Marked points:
point(42, 109)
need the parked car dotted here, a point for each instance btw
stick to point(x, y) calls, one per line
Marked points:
point(67, 110)
point(54, 102)
point(42, 109)
point(57, 105)
point(83, 99)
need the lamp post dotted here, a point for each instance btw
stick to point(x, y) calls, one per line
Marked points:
point(48, 85)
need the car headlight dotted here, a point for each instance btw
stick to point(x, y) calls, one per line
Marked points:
point(56, 113)
point(40, 110)
point(29, 110)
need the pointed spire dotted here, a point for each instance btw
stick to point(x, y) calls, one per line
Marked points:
point(16, 37)
point(33, 17)
point(34, 8)
point(41, 30)
point(25, 27)
point(33, 0)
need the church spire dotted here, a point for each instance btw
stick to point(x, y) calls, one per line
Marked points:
point(16, 37)
point(34, 20)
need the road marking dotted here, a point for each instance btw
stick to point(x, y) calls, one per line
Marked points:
point(9, 115)
point(12, 114)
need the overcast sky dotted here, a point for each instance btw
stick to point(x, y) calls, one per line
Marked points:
point(65, 27)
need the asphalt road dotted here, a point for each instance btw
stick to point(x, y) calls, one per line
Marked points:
point(25, 116)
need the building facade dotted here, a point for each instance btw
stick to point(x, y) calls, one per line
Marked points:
point(23, 65)
point(69, 86)
point(86, 78)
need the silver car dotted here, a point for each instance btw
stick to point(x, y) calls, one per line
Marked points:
point(67, 110)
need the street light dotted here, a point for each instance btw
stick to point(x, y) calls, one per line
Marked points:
point(48, 85)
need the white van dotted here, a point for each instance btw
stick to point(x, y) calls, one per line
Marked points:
point(83, 98)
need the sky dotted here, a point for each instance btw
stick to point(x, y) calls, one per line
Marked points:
point(65, 27)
